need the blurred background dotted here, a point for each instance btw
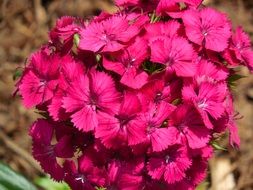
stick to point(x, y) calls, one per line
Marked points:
point(24, 26)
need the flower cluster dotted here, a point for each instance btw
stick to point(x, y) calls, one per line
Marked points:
point(134, 100)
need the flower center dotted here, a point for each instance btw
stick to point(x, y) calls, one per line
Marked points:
point(202, 104)
point(80, 178)
point(167, 159)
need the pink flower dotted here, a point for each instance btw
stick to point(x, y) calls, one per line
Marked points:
point(128, 64)
point(70, 71)
point(109, 35)
point(127, 2)
point(124, 128)
point(230, 124)
point(169, 7)
point(169, 29)
point(42, 133)
point(208, 98)
point(209, 72)
point(62, 34)
point(125, 175)
point(40, 80)
point(173, 7)
point(194, 175)
point(91, 94)
point(207, 28)
point(190, 126)
point(160, 90)
point(169, 165)
point(240, 51)
point(193, 3)
point(159, 136)
point(175, 53)
point(83, 176)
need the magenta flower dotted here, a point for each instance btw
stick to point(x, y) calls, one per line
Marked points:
point(46, 153)
point(169, 29)
point(175, 53)
point(124, 128)
point(209, 72)
point(62, 34)
point(127, 64)
point(208, 98)
point(169, 165)
point(159, 136)
point(41, 79)
point(240, 51)
point(125, 174)
point(207, 28)
point(90, 95)
point(158, 91)
point(127, 2)
point(70, 71)
point(190, 126)
point(109, 35)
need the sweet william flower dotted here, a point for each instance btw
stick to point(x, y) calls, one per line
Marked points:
point(123, 128)
point(109, 35)
point(42, 133)
point(169, 29)
point(175, 53)
point(62, 34)
point(208, 28)
point(128, 62)
point(210, 72)
point(240, 51)
point(70, 70)
point(127, 2)
point(159, 136)
point(169, 165)
point(190, 126)
point(208, 99)
point(90, 94)
point(41, 78)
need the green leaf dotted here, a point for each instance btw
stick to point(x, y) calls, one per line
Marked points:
point(48, 184)
point(203, 186)
point(76, 39)
point(154, 18)
point(216, 146)
point(152, 68)
point(233, 79)
point(10, 180)
point(17, 74)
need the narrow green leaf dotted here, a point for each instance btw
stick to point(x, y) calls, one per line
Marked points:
point(76, 39)
point(17, 74)
point(152, 68)
point(203, 186)
point(11, 180)
point(48, 184)
point(216, 146)
point(233, 79)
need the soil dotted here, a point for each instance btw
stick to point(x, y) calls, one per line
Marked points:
point(24, 27)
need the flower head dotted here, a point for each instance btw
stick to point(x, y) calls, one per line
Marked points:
point(207, 28)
